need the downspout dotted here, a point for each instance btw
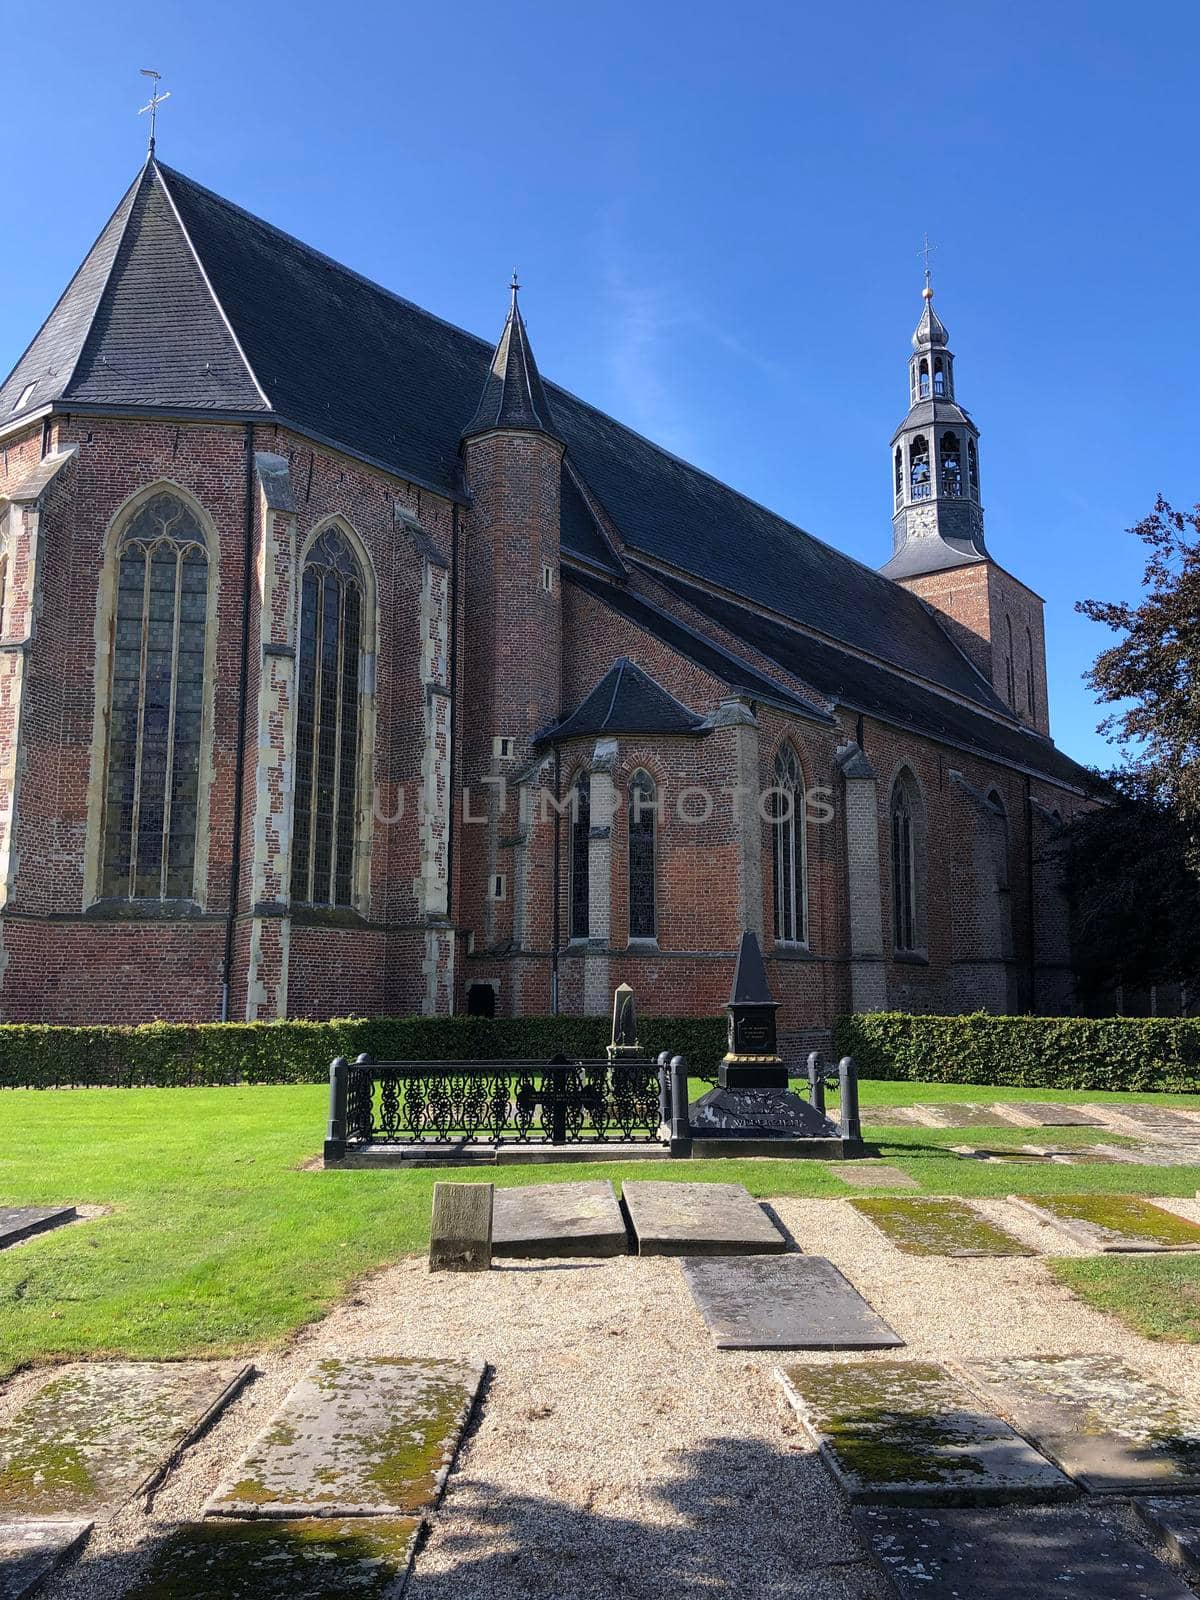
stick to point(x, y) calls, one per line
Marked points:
point(554, 938)
point(239, 765)
point(1030, 909)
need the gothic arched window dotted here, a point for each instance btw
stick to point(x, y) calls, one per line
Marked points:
point(1010, 676)
point(918, 467)
point(333, 626)
point(1029, 680)
point(581, 828)
point(998, 842)
point(939, 377)
point(924, 378)
point(972, 469)
point(951, 466)
point(790, 849)
point(643, 816)
point(152, 783)
point(908, 838)
point(899, 474)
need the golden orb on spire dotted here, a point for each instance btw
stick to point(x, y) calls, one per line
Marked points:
point(926, 293)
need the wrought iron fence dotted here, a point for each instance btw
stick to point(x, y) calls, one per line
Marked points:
point(492, 1102)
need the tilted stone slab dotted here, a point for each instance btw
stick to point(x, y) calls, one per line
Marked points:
point(1174, 1527)
point(1044, 1114)
point(956, 1114)
point(909, 1433)
point(699, 1219)
point(1112, 1430)
point(1157, 1121)
point(93, 1438)
point(872, 1175)
point(312, 1558)
point(1113, 1222)
point(934, 1227)
point(1022, 1555)
point(558, 1219)
point(1157, 1154)
point(22, 1222)
point(357, 1436)
point(31, 1551)
point(789, 1302)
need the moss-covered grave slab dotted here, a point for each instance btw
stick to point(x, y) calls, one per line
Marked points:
point(543, 1220)
point(1045, 1114)
point(94, 1437)
point(957, 1114)
point(783, 1302)
point(699, 1219)
point(910, 1433)
point(366, 1436)
point(1112, 1430)
point(1113, 1222)
point(312, 1558)
point(22, 1222)
point(31, 1551)
point(872, 1175)
point(934, 1227)
point(1068, 1551)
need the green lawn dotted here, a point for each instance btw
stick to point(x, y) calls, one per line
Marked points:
point(217, 1243)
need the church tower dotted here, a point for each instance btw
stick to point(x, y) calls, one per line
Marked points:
point(939, 552)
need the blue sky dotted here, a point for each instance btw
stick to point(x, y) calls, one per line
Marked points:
point(716, 212)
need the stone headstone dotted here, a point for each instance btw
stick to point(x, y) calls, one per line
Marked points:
point(31, 1551)
point(1045, 1114)
point(21, 1222)
point(872, 1175)
point(558, 1219)
point(359, 1436)
point(1175, 1527)
point(699, 1219)
point(788, 1302)
point(460, 1236)
point(1114, 1431)
point(934, 1227)
point(1007, 1555)
point(1113, 1222)
point(909, 1433)
point(93, 1438)
point(313, 1558)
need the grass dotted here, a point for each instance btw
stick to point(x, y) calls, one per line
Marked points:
point(217, 1243)
point(1157, 1296)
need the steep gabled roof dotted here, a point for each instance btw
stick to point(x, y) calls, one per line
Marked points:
point(626, 700)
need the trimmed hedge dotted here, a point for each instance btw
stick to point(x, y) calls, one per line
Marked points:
point(1131, 1053)
point(170, 1054)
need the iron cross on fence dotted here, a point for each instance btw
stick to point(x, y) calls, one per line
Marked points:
point(153, 103)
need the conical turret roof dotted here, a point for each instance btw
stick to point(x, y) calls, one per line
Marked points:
point(513, 394)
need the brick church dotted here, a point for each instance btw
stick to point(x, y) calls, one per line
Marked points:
point(347, 666)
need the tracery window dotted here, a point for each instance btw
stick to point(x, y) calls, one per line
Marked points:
point(328, 723)
point(581, 828)
point(918, 467)
point(152, 780)
point(972, 469)
point(951, 466)
point(643, 817)
point(907, 840)
point(790, 849)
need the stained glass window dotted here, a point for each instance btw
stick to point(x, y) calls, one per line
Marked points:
point(328, 724)
point(581, 827)
point(643, 807)
point(791, 863)
point(156, 705)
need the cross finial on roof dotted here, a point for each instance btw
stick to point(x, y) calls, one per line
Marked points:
point(153, 103)
point(927, 250)
point(514, 286)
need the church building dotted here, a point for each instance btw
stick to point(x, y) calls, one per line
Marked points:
point(349, 667)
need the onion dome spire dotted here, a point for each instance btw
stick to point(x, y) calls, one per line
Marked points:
point(513, 393)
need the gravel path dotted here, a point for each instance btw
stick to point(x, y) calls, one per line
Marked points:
point(617, 1453)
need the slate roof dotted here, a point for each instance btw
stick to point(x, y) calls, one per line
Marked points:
point(626, 700)
point(513, 395)
point(866, 686)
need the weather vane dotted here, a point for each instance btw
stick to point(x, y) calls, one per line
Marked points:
point(927, 250)
point(154, 102)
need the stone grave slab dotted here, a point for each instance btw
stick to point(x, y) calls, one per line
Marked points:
point(360, 1436)
point(909, 1433)
point(1006, 1555)
point(1156, 1154)
point(956, 1114)
point(1113, 1222)
point(558, 1219)
point(934, 1227)
point(1013, 1155)
point(1175, 1527)
point(93, 1438)
point(1044, 1114)
point(699, 1219)
point(31, 1551)
point(460, 1231)
point(311, 1558)
point(1156, 1121)
point(21, 1222)
point(872, 1175)
point(891, 1116)
point(789, 1302)
point(1112, 1430)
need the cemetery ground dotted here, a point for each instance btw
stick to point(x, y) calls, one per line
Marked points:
point(615, 1449)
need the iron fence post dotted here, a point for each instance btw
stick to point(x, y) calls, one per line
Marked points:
point(851, 1128)
point(681, 1128)
point(335, 1134)
point(816, 1080)
point(664, 1089)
